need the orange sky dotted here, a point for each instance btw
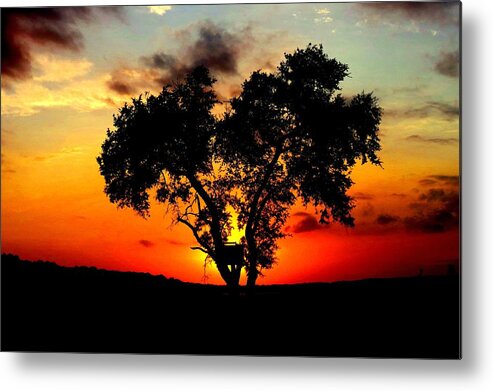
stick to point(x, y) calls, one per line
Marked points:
point(54, 121)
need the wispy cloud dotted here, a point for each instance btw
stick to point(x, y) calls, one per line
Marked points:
point(446, 110)
point(64, 153)
point(175, 242)
point(433, 140)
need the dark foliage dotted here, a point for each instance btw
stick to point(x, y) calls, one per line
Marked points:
point(165, 143)
point(289, 135)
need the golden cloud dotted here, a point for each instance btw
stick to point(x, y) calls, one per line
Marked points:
point(53, 69)
point(32, 97)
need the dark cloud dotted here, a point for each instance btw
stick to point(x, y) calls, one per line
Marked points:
point(146, 243)
point(436, 211)
point(443, 180)
point(160, 60)
point(447, 179)
point(437, 13)
point(399, 195)
point(435, 140)
point(434, 222)
point(362, 196)
point(386, 219)
point(433, 195)
point(448, 64)
point(306, 224)
point(51, 28)
point(208, 45)
point(217, 49)
point(120, 86)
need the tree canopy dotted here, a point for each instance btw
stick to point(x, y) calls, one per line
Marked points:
point(166, 143)
point(289, 135)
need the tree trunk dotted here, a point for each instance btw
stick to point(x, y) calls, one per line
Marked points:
point(215, 231)
point(252, 277)
point(225, 273)
point(230, 277)
point(252, 272)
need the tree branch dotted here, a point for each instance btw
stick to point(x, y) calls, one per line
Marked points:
point(195, 234)
point(200, 249)
point(268, 172)
point(214, 224)
point(261, 208)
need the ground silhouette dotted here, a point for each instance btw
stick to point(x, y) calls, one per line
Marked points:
point(46, 307)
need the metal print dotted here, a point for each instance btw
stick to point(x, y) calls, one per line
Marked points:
point(241, 179)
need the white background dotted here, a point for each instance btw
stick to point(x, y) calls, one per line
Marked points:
point(473, 372)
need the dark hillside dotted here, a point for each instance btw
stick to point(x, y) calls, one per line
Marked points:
point(46, 307)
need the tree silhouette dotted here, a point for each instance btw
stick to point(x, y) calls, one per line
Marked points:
point(166, 143)
point(287, 136)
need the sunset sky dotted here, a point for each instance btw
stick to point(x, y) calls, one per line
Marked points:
point(66, 72)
